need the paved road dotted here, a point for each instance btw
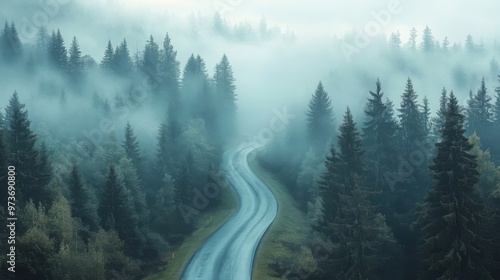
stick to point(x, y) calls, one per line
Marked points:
point(229, 253)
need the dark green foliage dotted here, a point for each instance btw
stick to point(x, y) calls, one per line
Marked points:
point(116, 212)
point(75, 61)
point(479, 110)
point(320, 119)
point(426, 113)
point(379, 139)
point(82, 206)
point(58, 56)
point(107, 62)
point(410, 118)
point(439, 120)
point(225, 97)
point(451, 213)
point(31, 165)
point(150, 57)
point(496, 107)
point(10, 45)
point(132, 149)
point(362, 242)
point(169, 68)
point(121, 60)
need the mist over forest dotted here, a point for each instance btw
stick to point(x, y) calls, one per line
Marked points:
point(117, 116)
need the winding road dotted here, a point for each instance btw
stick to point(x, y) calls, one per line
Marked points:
point(228, 254)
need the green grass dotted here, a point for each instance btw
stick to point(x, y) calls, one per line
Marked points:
point(206, 226)
point(289, 227)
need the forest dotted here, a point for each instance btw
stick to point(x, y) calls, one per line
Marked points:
point(112, 156)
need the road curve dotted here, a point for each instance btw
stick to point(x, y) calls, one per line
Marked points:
point(229, 253)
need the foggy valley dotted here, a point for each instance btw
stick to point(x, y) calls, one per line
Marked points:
point(232, 139)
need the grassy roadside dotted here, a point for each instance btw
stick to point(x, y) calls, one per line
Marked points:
point(288, 227)
point(206, 226)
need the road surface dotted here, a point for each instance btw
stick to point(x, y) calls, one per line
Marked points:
point(229, 253)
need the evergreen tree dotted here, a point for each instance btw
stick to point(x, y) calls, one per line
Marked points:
point(320, 119)
point(225, 97)
point(428, 44)
point(42, 41)
point(116, 212)
point(75, 61)
point(395, 40)
point(10, 44)
point(81, 203)
point(30, 165)
point(451, 214)
point(58, 55)
point(361, 240)
point(121, 60)
point(379, 138)
point(132, 149)
point(150, 57)
point(496, 108)
point(169, 67)
point(426, 113)
point(410, 118)
point(479, 111)
point(439, 120)
point(107, 62)
point(412, 41)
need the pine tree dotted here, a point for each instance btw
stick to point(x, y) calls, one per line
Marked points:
point(122, 62)
point(75, 61)
point(58, 55)
point(439, 120)
point(412, 41)
point(496, 108)
point(410, 118)
point(320, 119)
point(426, 113)
point(428, 44)
point(225, 97)
point(81, 203)
point(31, 165)
point(452, 211)
point(132, 149)
point(107, 62)
point(361, 240)
point(116, 212)
point(395, 40)
point(42, 41)
point(10, 44)
point(379, 138)
point(169, 67)
point(479, 111)
point(150, 57)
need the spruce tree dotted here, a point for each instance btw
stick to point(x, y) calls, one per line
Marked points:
point(496, 107)
point(58, 56)
point(10, 44)
point(121, 60)
point(169, 67)
point(117, 212)
point(132, 149)
point(379, 138)
point(75, 61)
point(451, 213)
point(426, 113)
point(150, 57)
point(320, 119)
point(81, 203)
point(42, 41)
point(361, 239)
point(479, 111)
point(428, 44)
point(225, 97)
point(410, 118)
point(439, 120)
point(30, 165)
point(107, 62)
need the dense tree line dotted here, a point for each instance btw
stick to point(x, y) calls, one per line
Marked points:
point(383, 201)
point(116, 208)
